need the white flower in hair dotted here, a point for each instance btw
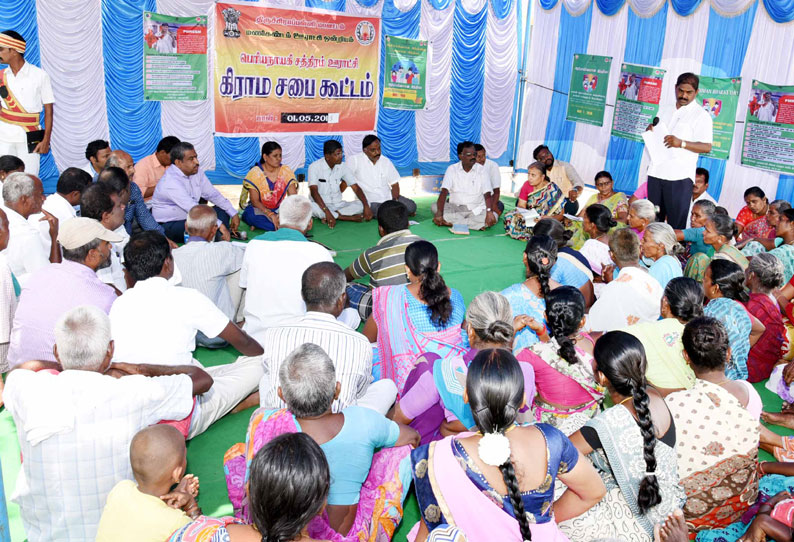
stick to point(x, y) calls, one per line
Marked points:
point(494, 449)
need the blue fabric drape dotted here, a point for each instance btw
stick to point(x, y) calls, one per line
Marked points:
point(726, 44)
point(572, 38)
point(366, 3)
point(549, 4)
point(781, 11)
point(396, 127)
point(501, 8)
point(785, 188)
point(236, 155)
point(331, 5)
point(20, 15)
point(610, 7)
point(468, 75)
point(685, 7)
point(623, 155)
point(134, 124)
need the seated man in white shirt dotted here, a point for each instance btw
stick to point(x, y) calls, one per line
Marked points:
point(156, 322)
point(100, 202)
point(62, 204)
point(699, 191)
point(494, 178)
point(469, 193)
point(323, 291)
point(23, 195)
point(325, 178)
point(209, 267)
point(75, 427)
point(97, 153)
point(377, 176)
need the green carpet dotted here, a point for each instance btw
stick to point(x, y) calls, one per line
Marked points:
point(482, 261)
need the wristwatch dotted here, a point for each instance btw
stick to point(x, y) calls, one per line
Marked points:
point(683, 144)
point(487, 210)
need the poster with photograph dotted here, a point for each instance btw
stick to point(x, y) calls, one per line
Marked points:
point(720, 98)
point(174, 57)
point(587, 97)
point(405, 74)
point(769, 128)
point(639, 91)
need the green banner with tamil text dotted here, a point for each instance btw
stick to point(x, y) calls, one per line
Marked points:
point(405, 73)
point(769, 128)
point(720, 98)
point(639, 91)
point(588, 92)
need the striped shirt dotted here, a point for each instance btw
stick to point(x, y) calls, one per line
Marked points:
point(385, 262)
point(350, 351)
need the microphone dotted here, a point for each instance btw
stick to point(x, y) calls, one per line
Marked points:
point(655, 121)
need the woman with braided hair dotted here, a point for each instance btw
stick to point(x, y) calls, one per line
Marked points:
point(527, 298)
point(498, 483)
point(632, 445)
point(567, 393)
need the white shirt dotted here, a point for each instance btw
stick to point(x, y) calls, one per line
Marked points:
point(350, 351)
point(329, 180)
point(25, 252)
point(633, 297)
point(156, 322)
point(271, 275)
point(705, 196)
point(165, 44)
point(374, 179)
point(57, 206)
point(689, 123)
point(467, 188)
point(492, 174)
point(766, 112)
point(75, 430)
point(32, 88)
point(114, 273)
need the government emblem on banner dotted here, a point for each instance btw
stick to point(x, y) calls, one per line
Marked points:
point(231, 16)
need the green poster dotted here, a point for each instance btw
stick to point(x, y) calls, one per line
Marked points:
point(720, 98)
point(405, 74)
point(588, 95)
point(639, 90)
point(769, 128)
point(174, 57)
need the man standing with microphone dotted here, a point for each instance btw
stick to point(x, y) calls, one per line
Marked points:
point(670, 181)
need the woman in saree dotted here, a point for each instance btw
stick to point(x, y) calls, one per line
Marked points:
point(287, 486)
point(598, 222)
point(764, 275)
point(641, 213)
point(702, 211)
point(718, 468)
point(616, 202)
point(537, 193)
point(782, 246)
point(498, 483)
point(432, 402)
point(367, 488)
point(752, 246)
point(265, 187)
point(567, 392)
point(724, 289)
point(660, 251)
point(666, 369)
point(571, 268)
point(719, 230)
point(632, 445)
point(527, 298)
point(423, 316)
point(751, 221)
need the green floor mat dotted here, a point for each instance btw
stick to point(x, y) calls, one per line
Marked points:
point(481, 261)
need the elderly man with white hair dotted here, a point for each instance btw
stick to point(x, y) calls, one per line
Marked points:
point(75, 427)
point(209, 267)
point(23, 196)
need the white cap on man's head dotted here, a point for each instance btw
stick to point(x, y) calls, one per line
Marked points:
point(80, 231)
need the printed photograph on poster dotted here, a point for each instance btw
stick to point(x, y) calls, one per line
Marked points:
point(712, 106)
point(640, 88)
point(769, 128)
point(589, 82)
point(764, 105)
point(637, 102)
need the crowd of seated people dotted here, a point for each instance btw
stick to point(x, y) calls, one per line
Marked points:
point(604, 397)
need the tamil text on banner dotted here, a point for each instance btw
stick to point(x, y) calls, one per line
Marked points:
point(720, 98)
point(294, 70)
point(637, 103)
point(405, 73)
point(769, 128)
point(174, 57)
point(588, 94)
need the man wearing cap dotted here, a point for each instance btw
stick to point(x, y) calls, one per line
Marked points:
point(25, 90)
point(59, 287)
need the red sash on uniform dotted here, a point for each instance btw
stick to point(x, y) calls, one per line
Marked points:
point(14, 113)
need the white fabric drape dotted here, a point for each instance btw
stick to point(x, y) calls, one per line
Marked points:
point(684, 43)
point(293, 150)
point(190, 121)
point(607, 38)
point(75, 66)
point(765, 61)
point(731, 8)
point(576, 7)
point(647, 8)
point(499, 89)
point(473, 6)
point(540, 79)
point(432, 123)
point(402, 5)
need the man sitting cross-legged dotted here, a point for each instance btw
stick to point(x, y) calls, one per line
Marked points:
point(469, 193)
point(75, 427)
point(323, 291)
point(156, 322)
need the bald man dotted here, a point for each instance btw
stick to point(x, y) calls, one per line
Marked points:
point(137, 217)
point(209, 267)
